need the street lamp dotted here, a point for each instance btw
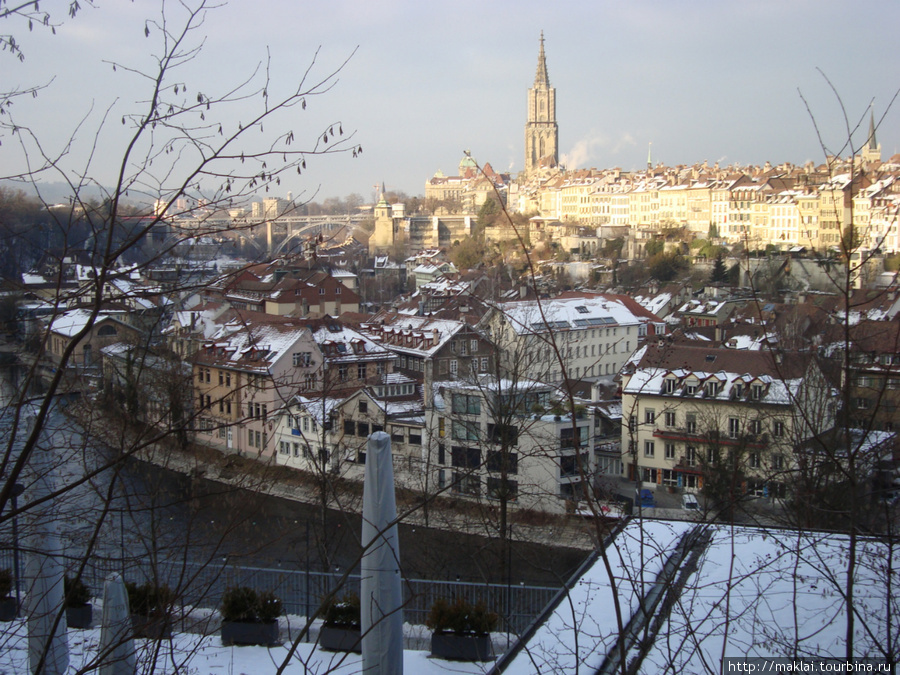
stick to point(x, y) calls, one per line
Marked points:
point(17, 490)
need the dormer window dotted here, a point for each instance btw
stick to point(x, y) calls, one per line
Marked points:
point(756, 391)
point(712, 388)
point(671, 385)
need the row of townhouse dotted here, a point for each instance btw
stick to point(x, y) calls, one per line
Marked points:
point(809, 208)
point(689, 407)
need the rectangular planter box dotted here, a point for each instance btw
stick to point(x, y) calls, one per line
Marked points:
point(240, 633)
point(79, 617)
point(7, 609)
point(461, 647)
point(334, 639)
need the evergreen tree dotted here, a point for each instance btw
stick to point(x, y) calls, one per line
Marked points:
point(719, 271)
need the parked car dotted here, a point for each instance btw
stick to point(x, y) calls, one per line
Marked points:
point(647, 498)
point(689, 502)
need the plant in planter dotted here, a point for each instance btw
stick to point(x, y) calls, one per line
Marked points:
point(76, 599)
point(461, 630)
point(7, 603)
point(250, 618)
point(341, 630)
point(150, 610)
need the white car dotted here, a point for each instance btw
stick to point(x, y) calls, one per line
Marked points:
point(689, 502)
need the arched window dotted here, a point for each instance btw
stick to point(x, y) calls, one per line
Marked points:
point(107, 330)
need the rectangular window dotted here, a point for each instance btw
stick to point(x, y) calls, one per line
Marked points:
point(670, 451)
point(756, 427)
point(572, 465)
point(442, 427)
point(473, 346)
point(465, 458)
point(690, 421)
point(397, 434)
point(498, 488)
point(464, 430)
point(363, 407)
point(360, 371)
point(484, 364)
point(649, 449)
point(498, 461)
point(466, 484)
point(342, 372)
point(671, 385)
point(670, 419)
point(349, 428)
point(690, 456)
point(505, 434)
point(362, 429)
point(415, 437)
point(734, 427)
point(466, 405)
point(755, 462)
point(463, 348)
point(454, 366)
point(778, 429)
point(649, 416)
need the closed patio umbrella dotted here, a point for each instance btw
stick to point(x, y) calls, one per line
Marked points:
point(381, 597)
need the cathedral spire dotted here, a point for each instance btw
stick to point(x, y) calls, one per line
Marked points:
point(541, 130)
point(873, 143)
point(540, 77)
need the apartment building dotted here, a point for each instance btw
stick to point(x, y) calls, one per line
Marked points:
point(576, 335)
point(492, 439)
point(687, 406)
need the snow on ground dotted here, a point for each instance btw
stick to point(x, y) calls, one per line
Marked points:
point(578, 634)
point(192, 654)
point(785, 599)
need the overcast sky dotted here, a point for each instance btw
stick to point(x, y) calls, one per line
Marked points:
point(716, 81)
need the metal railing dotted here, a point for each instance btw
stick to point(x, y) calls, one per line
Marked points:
point(301, 591)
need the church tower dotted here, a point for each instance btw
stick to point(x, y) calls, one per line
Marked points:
point(541, 130)
point(871, 152)
point(382, 239)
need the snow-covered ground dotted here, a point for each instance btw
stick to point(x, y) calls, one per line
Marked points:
point(193, 654)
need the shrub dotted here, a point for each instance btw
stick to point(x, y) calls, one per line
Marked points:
point(244, 605)
point(75, 593)
point(239, 604)
point(149, 599)
point(5, 583)
point(270, 607)
point(461, 617)
point(343, 613)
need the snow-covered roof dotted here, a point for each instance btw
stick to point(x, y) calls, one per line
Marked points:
point(70, 323)
point(421, 336)
point(571, 313)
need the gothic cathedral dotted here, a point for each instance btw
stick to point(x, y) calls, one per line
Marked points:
point(541, 130)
